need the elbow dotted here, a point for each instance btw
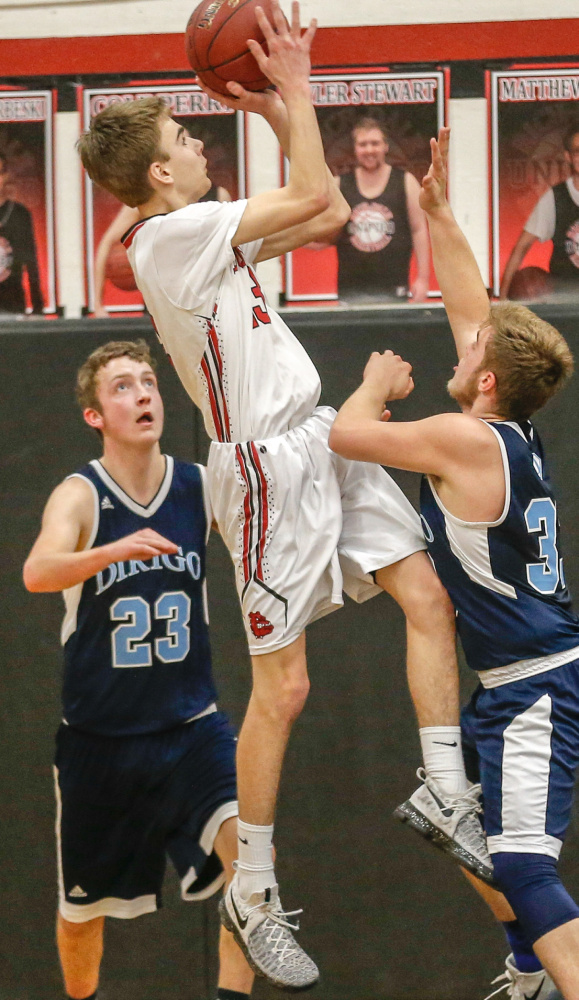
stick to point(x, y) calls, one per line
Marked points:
point(32, 580)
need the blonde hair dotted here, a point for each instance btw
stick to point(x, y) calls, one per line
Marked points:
point(119, 146)
point(87, 376)
point(530, 359)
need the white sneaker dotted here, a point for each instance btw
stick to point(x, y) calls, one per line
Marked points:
point(263, 932)
point(523, 985)
point(451, 822)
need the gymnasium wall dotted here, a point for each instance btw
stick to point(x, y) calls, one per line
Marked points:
point(386, 916)
point(60, 43)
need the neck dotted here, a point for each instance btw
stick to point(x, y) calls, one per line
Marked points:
point(162, 204)
point(575, 179)
point(138, 471)
point(483, 410)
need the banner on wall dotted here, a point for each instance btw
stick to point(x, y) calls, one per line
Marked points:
point(534, 129)
point(27, 270)
point(376, 129)
point(110, 283)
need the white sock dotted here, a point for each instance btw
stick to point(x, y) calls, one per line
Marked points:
point(255, 860)
point(442, 755)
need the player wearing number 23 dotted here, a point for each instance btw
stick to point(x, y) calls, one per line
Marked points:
point(145, 764)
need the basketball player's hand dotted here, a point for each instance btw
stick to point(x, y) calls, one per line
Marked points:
point(267, 103)
point(288, 63)
point(433, 191)
point(142, 545)
point(389, 376)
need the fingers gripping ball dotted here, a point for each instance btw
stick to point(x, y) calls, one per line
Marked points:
point(216, 43)
point(118, 270)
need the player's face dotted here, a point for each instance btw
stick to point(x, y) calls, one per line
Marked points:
point(370, 148)
point(573, 154)
point(131, 408)
point(463, 386)
point(186, 162)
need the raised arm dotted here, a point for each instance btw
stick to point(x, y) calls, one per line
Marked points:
point(122, 221)
point(58, 558)
point(288, 66)
point(463, 290)
point(420, 240)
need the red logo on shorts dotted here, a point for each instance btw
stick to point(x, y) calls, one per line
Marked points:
point(259, 625)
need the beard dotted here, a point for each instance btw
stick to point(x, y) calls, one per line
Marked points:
point(466, 394)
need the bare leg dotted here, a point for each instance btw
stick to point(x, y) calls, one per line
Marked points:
point(431, 657)
point(280, 689)
point(234, 972)
point(80, 947)
point(494, 899)
point(559, 953)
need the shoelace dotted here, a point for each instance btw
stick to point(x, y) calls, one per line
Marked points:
point(509, 985)
point(464, 804)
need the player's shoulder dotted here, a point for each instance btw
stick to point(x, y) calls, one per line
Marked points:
point(74, 496)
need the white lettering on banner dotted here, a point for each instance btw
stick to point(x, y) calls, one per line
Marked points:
point(18, 109)
point(404, 91)
point(539, 88)
point(190, 102)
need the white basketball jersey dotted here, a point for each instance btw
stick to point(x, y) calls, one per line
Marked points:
point(237, 359)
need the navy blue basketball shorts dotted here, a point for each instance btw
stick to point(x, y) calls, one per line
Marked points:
point(521, 741)
point(125, 803)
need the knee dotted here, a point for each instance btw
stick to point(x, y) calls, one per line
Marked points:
point(284, 697)
point(533, 888)
point(426, 603)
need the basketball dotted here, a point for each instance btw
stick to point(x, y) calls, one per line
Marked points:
point(530, 283)
point(118, 270)
point(216, 43)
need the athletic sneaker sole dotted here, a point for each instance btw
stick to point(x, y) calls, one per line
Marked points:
point(408, 813)
point(230, 925)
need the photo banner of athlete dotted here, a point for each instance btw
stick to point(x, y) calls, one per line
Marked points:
point(376, 128)
point(27, 268)
point(534, 145)
point(110, 285)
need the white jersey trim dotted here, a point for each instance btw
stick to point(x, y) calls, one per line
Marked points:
point(521, 669)
point(72, 595)
point(468, 540)
point(206, 500)
point(128, 501)
point(227, 810)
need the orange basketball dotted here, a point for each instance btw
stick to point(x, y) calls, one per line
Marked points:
point(530, 283)
point(118, 270)
point(216, 43)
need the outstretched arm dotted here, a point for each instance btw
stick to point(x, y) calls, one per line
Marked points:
point(463, 290)
point(307, 193)
point(122, 221)
point(58, 559)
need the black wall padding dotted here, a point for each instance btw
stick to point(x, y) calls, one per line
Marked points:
point(386, 916)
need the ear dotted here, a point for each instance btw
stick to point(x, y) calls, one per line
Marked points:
point(487, 382)
point(160, 174)
point(93, 418)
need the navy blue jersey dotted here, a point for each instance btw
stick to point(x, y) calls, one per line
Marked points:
point(505, 578)
point(136, 640)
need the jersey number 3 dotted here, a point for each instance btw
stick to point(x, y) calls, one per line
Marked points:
point(541, 518)
point(128, 648)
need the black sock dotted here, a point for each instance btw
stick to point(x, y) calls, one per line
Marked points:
point(228, 995)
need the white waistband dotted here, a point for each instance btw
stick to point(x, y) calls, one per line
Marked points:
point(526, 668)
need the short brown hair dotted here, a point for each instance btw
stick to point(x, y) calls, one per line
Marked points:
point(119, 146)
point(367, 123)
point(530, 359)
point(87, 377)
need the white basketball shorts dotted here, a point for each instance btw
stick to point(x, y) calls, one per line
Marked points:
point(303, 524)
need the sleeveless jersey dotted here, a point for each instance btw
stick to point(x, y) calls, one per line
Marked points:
point(239, 362)
point(136, 639)
point(505, 578)
point(565, 257)
point(375, 247)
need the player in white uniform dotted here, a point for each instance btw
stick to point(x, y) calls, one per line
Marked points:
point(302, 525)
